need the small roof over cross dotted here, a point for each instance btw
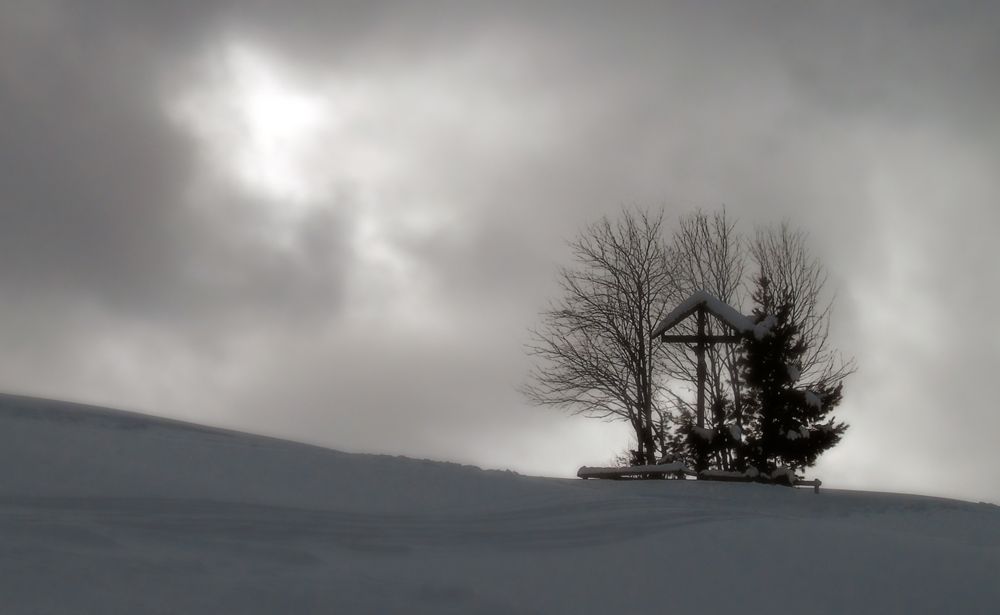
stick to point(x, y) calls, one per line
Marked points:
point(702, 304)
point(703, 300)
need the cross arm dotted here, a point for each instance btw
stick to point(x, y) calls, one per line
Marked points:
point(694, 339)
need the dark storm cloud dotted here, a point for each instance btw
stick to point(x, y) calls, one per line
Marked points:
point(88, 170)
point(126, 265)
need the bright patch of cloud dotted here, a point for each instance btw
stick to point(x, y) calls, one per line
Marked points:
point(280, 124)
point(259, 126)
point(395, 152)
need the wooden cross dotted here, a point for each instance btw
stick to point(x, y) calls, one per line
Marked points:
point(702, 304)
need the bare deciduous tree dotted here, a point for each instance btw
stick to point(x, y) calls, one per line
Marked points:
point(796, 279)
point(594, 349)
point(709, 255)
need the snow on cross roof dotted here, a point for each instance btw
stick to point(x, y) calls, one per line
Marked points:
point(721, 310)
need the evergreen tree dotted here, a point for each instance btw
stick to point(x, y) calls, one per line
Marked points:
point(717, 446)
point(785, 421)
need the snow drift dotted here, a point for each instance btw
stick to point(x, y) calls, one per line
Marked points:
point(103, 511)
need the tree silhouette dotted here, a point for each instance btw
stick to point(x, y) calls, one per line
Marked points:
point(595, 355)
point(785, 421)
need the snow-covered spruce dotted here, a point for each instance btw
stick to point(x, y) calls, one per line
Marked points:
point(784, 426)
point(703, 433)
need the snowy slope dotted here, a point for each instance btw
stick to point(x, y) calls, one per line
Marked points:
point(110, 512)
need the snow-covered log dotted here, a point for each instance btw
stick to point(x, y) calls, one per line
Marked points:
point(680, 470)
point(676, 469)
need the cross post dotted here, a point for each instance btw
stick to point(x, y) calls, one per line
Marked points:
point(701, 303)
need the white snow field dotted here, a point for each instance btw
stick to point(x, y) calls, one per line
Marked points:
point(106, 512)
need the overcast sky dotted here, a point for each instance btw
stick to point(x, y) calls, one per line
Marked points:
point(336, 221)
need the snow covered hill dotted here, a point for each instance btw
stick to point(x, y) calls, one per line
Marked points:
point(103, 511)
